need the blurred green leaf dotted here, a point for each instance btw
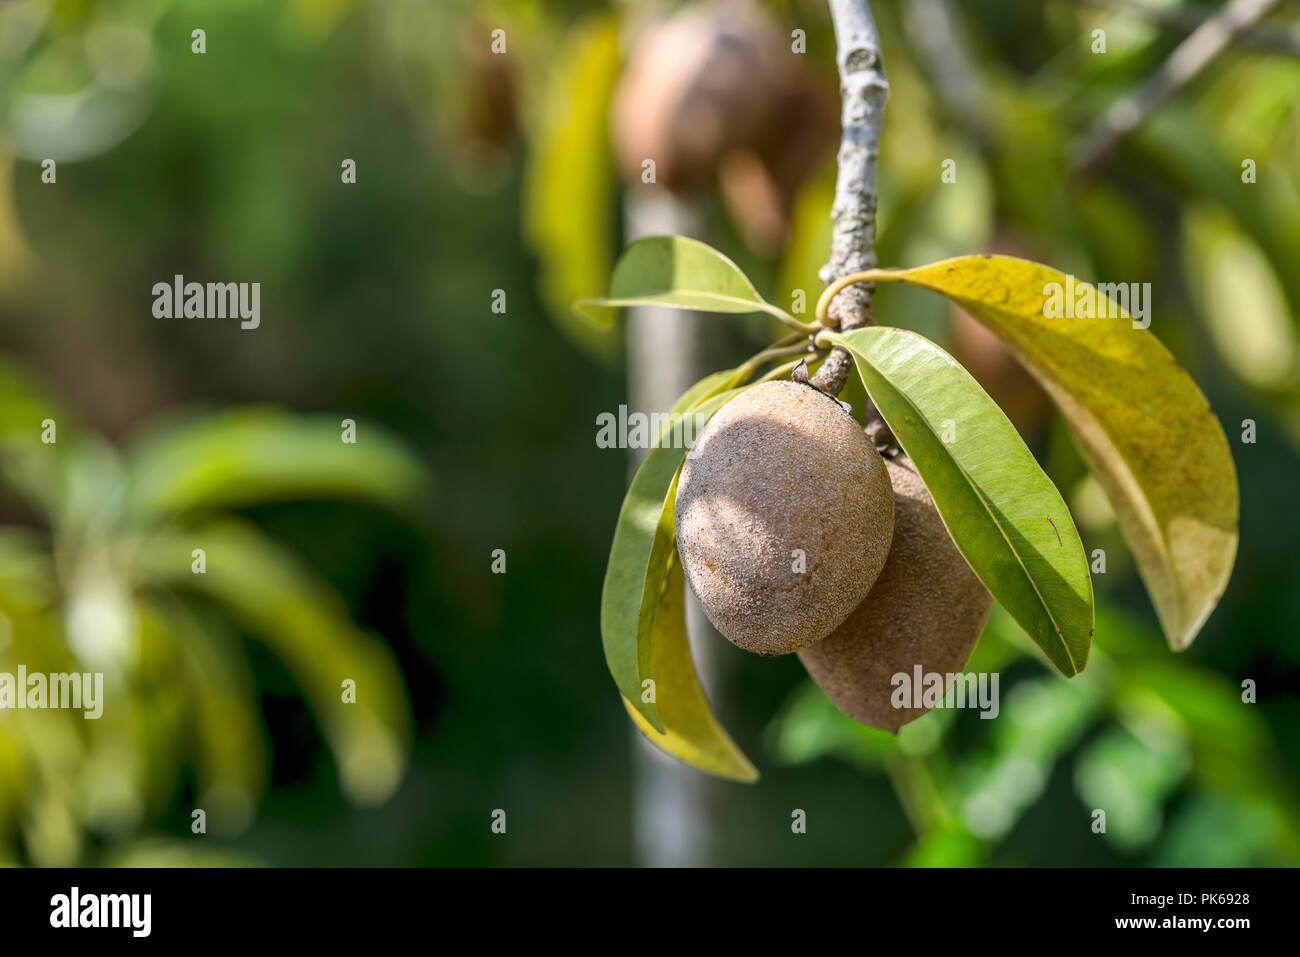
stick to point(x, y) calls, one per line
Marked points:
point(1039, 721)
point(809, 241)
point(1213, 830)
point(1243, 302)
point(1130, 777)
point(569, 185)
point(26, 567)
point(1003, 513)
point(810, 727)
point(268, 592)
point(158, 852)
point(229, 751)
point(1178, 152)
point(1141, 423)
point(256, 455)
point(947, 847)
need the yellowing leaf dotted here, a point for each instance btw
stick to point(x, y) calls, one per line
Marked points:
point(691, 733)
point(1139, 420)
point(639, 558)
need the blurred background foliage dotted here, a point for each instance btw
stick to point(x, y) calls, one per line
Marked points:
point(479, 171)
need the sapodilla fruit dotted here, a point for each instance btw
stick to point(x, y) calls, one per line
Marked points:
point(927, 608)
point(697, 85)
point(784, 515)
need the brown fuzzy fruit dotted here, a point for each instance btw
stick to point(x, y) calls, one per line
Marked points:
point(698, 84)
point(784, 515)
point(927, 608)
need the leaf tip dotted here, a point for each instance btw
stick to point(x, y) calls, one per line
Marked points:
point(594, 311)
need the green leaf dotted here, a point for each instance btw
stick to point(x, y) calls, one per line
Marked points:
point(229, 753)
point(691, 733)
point(1004, 514)
point(569, 189)
point(250, 456)
point(1140, 422)
point(268, 592)
point(679, 273)
point(638, 564)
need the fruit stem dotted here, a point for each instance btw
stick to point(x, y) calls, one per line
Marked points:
point(781, 371)
point(922, 805)
point(796, 344)
point(839, 285)
point(790, 321)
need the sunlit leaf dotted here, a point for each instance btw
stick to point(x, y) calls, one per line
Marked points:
point(260, 455)
point(1139, 420)
point(677, 272)
point(1003, 513)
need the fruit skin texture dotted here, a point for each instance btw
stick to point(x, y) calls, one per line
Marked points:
point(782, 467)
point(927, 608)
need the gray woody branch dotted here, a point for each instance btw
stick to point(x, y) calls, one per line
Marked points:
point(1184, 64)
point(864, 90)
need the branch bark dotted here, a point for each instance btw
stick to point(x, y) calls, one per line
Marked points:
point(1187, 18)
point(864, 90)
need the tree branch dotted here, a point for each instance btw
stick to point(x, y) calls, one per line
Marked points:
point(936, 33)
point(864, 90)
point(1192, 56)
point(1265, 37)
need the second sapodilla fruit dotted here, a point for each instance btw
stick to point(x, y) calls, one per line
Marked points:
point(784, 516)
point(926, 610)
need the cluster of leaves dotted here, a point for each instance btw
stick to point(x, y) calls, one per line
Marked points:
point(1140, 422)
point(104, 579)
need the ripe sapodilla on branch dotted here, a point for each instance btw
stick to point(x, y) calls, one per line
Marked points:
point(784, 515)
point(926, 608)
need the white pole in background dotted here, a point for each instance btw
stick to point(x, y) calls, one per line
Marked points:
point(672, 804)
